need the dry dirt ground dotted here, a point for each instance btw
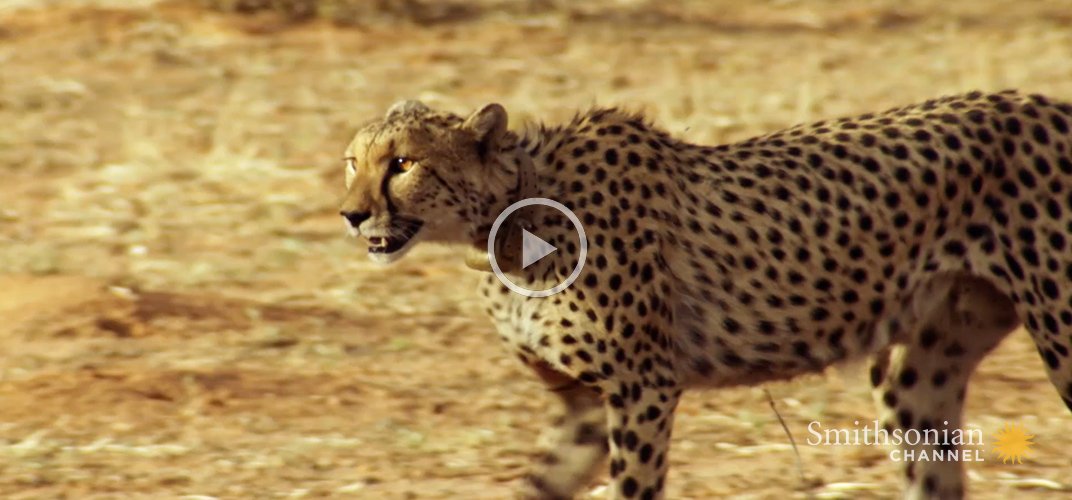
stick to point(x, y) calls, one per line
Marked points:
point(181, 315)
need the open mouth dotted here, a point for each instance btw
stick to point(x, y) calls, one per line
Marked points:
point(387, 245)
point(399, 238)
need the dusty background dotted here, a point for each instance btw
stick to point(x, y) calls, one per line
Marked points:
point(181, 316)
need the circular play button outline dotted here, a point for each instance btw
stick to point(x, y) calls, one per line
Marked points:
point(547, 202)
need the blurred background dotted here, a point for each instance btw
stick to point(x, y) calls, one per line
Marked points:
point(182, 316)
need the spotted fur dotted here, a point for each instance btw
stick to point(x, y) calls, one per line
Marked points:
point(920, 236)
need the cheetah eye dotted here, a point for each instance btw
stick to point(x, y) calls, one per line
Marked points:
point(400, 164)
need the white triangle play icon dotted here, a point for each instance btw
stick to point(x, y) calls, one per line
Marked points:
point(533, 248)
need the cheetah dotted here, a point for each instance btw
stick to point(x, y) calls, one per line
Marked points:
point(918, 237)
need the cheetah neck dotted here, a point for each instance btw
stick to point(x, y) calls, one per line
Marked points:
point(508, 247)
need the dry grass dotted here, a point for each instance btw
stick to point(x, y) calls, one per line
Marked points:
point(184, 317)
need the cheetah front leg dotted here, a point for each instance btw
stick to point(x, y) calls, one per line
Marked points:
point(579, 441)
point(640, 416)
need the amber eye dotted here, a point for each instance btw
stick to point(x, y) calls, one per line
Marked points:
point(400, 164)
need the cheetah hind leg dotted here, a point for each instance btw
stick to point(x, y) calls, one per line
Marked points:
point(1047, 319)
point(921, 384)
point(579, 442)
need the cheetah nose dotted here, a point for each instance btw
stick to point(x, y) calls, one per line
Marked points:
point(355, 218)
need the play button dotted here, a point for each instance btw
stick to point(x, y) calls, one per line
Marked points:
point(534, 248)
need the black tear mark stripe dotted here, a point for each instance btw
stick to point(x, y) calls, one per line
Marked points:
point(385, 191)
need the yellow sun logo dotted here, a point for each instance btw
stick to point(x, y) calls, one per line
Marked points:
point(1012, 442)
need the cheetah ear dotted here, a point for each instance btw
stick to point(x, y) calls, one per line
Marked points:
point(488, 124)
point(404, 108)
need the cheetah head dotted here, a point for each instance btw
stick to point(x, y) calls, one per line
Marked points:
point(423, 175)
